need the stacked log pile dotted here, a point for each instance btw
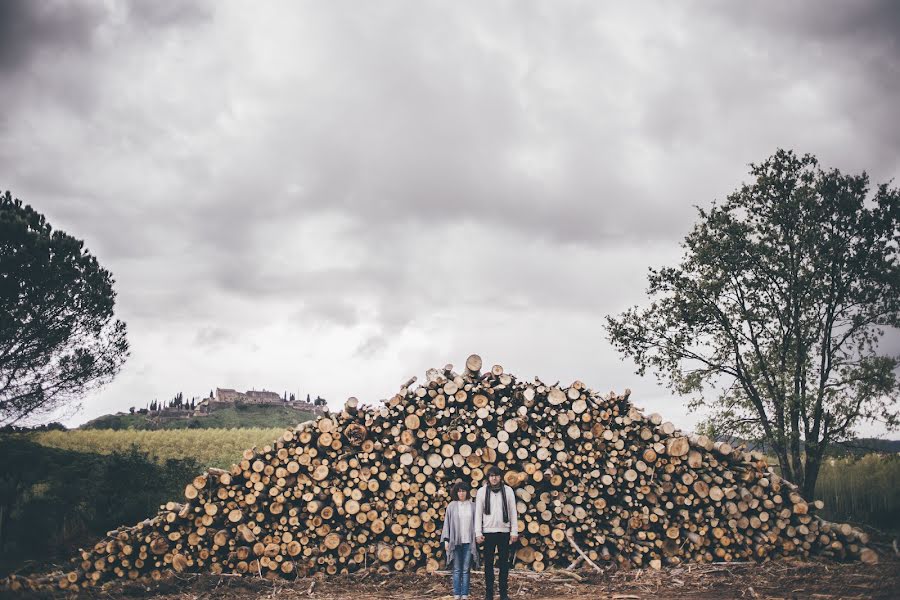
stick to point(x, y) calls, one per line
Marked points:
point(596, 480)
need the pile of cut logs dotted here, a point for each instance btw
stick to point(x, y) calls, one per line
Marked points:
point(596, 481)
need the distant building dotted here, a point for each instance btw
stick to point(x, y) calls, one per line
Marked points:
point(228, 395)
point(225, 396)
point(263, 397)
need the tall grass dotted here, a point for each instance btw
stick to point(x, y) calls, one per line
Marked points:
point(862, 490)
point(208, 447)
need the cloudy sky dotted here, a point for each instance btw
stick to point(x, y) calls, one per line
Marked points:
point(330, 197)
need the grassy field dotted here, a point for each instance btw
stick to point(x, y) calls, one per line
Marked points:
point(239, 416)
point(862, 490)
point(207, 447)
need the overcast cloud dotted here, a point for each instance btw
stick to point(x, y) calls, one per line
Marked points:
point(327, 198)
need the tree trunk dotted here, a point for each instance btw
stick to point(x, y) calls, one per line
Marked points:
point(3, 512)
point(811, 472)
point(787, 470)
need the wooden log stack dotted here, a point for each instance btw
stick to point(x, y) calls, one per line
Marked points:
point(366, 488)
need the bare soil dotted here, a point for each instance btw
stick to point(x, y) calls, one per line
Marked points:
point(794, 579)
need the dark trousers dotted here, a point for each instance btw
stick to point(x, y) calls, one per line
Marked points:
point(499, 543)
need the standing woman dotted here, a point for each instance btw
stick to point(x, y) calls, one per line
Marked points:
point(459, 538)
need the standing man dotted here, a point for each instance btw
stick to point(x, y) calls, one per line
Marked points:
point(497, 525)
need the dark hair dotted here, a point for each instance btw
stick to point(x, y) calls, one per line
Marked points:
point(454, 491)
point(495, 470)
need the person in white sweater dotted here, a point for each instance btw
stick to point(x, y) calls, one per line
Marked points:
point(497, 525)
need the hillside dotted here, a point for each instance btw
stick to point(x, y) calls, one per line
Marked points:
point(863, 446)
point(207, 447)
point(238, 416)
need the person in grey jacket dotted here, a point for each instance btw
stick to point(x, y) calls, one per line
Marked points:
point(459, 538)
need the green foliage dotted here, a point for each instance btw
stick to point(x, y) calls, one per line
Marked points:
point(59, 489)
point(207, 447)
point(862, 490)
point(52, 500)
point(241, 416)
point(779, 304)
point(58, 338)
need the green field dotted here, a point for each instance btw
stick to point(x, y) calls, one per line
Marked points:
point(238, 416)
point(207, 447)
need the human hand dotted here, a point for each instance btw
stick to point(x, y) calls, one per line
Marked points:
point(513, 539)
point(479, 539)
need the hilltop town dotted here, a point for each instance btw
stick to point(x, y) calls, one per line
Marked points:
point(229, 397)
point(225, 407)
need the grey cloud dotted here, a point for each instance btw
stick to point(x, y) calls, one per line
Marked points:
point(437, 137)
point(371, 346)
point(214, 336)
point(168, 13)
point(455, 126)
point(382, 169)
point(326, 306)
point(866, 23)
point(853, 48)
point(55, 52)
point(28, 27)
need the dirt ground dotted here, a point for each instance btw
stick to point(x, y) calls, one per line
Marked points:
point(819, 580)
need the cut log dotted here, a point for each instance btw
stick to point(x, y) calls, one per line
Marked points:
point(473, 365)
point(677, 446)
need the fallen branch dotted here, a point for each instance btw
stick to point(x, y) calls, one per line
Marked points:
point(569, 574)
point(581, 552)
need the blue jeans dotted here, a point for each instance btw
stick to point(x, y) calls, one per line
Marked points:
point(462, 559)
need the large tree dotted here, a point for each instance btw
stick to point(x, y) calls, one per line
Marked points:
point(773, 319)
point(58, 336)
